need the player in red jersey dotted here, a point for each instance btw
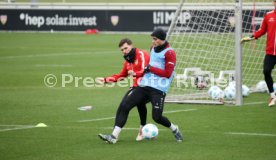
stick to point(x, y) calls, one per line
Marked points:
point(135, 62)
point(268, 26)
point(152, 88)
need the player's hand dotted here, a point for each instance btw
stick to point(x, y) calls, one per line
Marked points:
point(147, 69)
point(100, 80)
point(131, 73)
point(247, 38)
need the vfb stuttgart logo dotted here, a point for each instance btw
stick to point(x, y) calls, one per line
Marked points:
point(3, 19)
point(114, 20)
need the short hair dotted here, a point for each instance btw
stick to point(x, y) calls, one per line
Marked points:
point(125, 40)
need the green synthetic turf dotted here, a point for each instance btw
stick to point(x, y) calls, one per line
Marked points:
point(211, 132)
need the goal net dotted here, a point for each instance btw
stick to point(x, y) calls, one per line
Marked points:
point(203, 37)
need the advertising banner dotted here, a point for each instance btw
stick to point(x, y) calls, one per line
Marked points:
point(114, 20)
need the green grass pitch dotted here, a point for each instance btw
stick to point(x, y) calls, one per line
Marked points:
point(211, 132)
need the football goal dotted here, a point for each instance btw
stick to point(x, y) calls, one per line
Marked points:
point(206, 36)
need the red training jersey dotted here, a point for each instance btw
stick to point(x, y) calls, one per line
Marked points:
point(268, 26)
point(140, 62)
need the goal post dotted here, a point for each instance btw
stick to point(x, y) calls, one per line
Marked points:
point(206, 36)
point(238, 55)
point(175, 18)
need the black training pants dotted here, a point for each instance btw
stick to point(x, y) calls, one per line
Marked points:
point(269, 63)
point(141, 107)
point(143, 95)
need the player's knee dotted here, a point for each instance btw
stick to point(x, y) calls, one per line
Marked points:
point(123, 107)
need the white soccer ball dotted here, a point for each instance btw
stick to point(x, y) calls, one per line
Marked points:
point(230, 92)
point(232, 83)
point(149, 131)
point(261, 87)
point(274, 86)
point(245, 91)
point(215, 93)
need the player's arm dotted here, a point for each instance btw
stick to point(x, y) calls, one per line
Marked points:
point(170, 60)
point(262, 30)
point(116, 77)
point(257, 34)
point(143, 61)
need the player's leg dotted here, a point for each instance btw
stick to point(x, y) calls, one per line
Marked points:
point(269, 63)
point(133, 98)
point(120, 108)
point(157, 100)
point(142, 110)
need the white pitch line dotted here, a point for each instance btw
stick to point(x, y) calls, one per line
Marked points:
point(183, 110)
point(16, 128)
point(53, 65)
point(43, 55)
point(13, 125)
point(129, 128)
point(98, 119)
point(253, 103)
point(56, 54)
point(251, 134)
point(107, 118)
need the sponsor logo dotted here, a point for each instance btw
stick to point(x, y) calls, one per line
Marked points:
point(165, 17)
point(271, 19)
point(57, 20)
point(114, 20)
point(3, 19)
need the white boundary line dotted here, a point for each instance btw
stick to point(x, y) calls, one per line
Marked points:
point(57, 54)
point(251, 134)
point(20, 127)
point(254, 103)
point(228, 133)
point(53, 65)
point(231, 133)
point(17, 127)
point(98, 119)
point(13, 125)
point(131, 128)
point(176, 111)
point(108, 118)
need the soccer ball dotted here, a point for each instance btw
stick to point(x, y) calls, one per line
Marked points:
point(230, 92)
point(232, 83)
point(245, 91)
point(215, 93)
point(149, 131)
point(274, 86)
point(261, 87)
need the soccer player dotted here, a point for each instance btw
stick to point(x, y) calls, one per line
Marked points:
point(268, 26)
point(135, 62)
point(152, 88)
